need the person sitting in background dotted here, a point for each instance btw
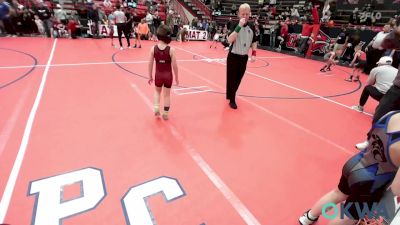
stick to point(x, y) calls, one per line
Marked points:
point(59, 29)
point(107, 4)
point(72, 28)
point(283, 34)
point(39, 25)
point(143, 32)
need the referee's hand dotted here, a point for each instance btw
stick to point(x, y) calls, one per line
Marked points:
point(252, 59)
point(242, 22)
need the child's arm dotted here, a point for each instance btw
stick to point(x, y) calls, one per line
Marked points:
point(174, 65)
point(151, 62)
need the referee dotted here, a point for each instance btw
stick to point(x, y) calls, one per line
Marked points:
point(241, 39)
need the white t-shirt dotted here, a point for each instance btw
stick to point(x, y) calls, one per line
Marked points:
point(119, 17)
point(382, 77)
point(378, 39)
point(60, 14)
point(149, 19)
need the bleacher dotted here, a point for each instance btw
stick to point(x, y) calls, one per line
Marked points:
point(339, 16)
point(281, 6)
point(140, 10)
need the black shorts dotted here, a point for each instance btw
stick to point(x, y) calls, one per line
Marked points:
point(361, 64)
point(358, 194)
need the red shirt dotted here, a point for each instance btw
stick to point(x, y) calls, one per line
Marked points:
point(72, 26)
point(307, 30)
point(285, 30)
point(315, 15)
point(362, 56)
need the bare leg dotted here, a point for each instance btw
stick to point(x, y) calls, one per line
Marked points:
point(167, 102)
point(335, 196)
point(157, 94)
point(357, 75)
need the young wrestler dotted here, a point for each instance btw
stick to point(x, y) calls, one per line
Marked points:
point(165, 59)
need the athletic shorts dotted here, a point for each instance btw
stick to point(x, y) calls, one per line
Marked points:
point(163, 80)
point(361, 64)
point(358, 193)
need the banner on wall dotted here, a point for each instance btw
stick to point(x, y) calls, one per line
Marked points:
point(196, 35)
point(376, 4)
point(104, 30)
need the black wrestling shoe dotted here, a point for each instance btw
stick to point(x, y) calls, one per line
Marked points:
point(233, 105)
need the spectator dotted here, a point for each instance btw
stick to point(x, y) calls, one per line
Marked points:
point(60, 14)
point(72, 28)
point(170, 19)
point(379, 81)
point(233, 9)
point(353, 41)
point(93, 16)
point(341, 39)
point(28, 22)
point(273, 34)
point(59, 29)
point(295, 14)
point(120, 22)
point(219, 4)
point(260, 3)
point(229, 23)
point(4, 14)
point(306, 34)
point(39, 25)
point(143, 30)
point(283, 34)
point(156, 20)
point(374, 49)
point(107, 4)
point(128, 24)
point(149, 21)
point(44, 14)
point(354, 17)
point(205, 25)
point(199, 25)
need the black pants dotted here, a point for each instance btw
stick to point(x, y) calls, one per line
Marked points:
point(370, 90)
point(225, 44)
point(373, 56)
point(303, 44)
point(121, 28)
point(235, 69)
point(389, 102)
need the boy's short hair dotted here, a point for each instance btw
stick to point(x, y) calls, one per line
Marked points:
point(164, 33)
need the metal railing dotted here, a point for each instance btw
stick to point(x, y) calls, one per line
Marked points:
point(177, 7)
point(200, 5)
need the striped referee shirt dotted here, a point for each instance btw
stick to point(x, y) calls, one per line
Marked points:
point(245, 38)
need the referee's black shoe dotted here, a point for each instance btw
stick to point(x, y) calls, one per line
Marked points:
point(233, 105)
